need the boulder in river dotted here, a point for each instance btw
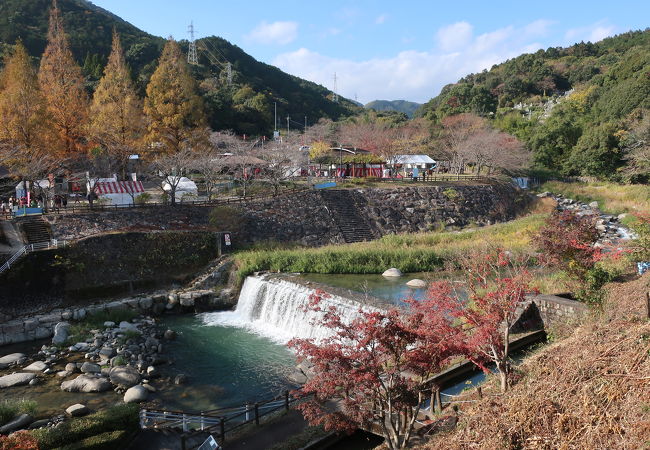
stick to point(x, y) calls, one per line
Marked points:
point(392, 272)
point(86, 383)
point(19, 423)
point(13, 358)
point(16, 379)
point(125, 376)
point(136, 394)
point(77, 410)
point(417, 283)
point(60, 333)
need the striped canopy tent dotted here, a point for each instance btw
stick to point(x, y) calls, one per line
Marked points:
point(119, 192)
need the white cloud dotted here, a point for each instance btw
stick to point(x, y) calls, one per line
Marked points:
point(415, 75)
point(593, 33)
point(381, 19)
point(454, 36)
point(274, 33)
point(539, 27)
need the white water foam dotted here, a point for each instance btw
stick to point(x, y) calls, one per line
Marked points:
point(277, 309)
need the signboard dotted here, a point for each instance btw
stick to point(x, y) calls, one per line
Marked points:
point(325, 185)
point(226, 238)
point(209, 444)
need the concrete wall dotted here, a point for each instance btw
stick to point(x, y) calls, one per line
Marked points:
point(542, 311)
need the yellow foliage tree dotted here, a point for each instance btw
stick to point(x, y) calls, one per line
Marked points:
point(22, 110)
point(172, 106)
point(318, 150)
point(62, 84)
point(116, 121)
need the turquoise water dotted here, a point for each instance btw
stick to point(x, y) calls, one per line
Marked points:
point(392, 290)
point(226, 366)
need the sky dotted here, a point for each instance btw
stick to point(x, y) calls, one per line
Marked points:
point(388, 50)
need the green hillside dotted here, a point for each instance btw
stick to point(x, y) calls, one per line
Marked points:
point(581, 109)
point(403, 106)
point(245, 105)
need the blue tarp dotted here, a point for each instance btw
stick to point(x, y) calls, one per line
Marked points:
point(325, 185)
point(28, 211)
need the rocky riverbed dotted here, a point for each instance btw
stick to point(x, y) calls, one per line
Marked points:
point(113, 363)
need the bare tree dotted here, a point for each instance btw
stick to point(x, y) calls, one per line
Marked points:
point(457, 130)
point(239, 159)
point(169, 168)
point(283, 161)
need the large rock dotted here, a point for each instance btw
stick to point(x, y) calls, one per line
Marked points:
point(124, 376)
point(86, 383)
point(416, 283)
point(128, 326)
point(136, 394)
point(16, 379)
point(13, 358)
point(77, 410)
point(37, 366)
point(88, 367)
point(19, 423)
point(60, 333)
point(392, 272)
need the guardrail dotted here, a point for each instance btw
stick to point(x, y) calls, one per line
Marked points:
point(54, 243)
point(72, 208)
point(220, 421)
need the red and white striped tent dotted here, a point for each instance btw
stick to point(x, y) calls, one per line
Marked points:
point(118, 192)
point(119, 187)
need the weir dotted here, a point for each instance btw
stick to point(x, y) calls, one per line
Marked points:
point(279, 309)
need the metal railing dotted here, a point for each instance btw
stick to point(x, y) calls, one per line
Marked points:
point(220, 421)
point(54, 243)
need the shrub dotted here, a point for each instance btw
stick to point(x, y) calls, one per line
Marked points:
point(105, 441)
point(11, 408)
point(143, 198)
point(452, 194)
point(116, 418)
point(21, 440)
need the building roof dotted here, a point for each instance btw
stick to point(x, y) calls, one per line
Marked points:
point(119, 187)
point(413, 159)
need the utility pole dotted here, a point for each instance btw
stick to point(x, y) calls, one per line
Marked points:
point(192, 57)
point(305, 124)
point(335, 97)
point(275, 119)
point(288, 118)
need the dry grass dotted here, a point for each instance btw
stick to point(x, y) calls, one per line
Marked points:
point(589, 391)
point(612, 198)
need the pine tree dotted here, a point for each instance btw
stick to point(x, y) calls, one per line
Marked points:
point(62, 84)
point(116, 112)
point(21, 109)
point(174, 110)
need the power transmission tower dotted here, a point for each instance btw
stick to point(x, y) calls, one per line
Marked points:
point(335, 97)
point(192, 57)
point(229, 73)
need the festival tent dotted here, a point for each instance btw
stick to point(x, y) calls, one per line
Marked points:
point(118, 192)
point(184, 187)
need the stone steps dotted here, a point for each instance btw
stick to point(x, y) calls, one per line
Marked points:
point(345, 211)
point(34, 230)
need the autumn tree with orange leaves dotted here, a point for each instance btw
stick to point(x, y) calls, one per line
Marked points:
point(117, 122)
point(62, 85)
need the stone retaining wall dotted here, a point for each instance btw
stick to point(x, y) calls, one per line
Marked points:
point(542, 311)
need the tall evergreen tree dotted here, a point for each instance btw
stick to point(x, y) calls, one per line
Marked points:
point(21, 109)
point(116, 121)
point(62, 84)
point(174, 110)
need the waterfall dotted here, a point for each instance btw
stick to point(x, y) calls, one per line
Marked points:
point(277, 309)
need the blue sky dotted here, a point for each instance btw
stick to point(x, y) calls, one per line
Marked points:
point(386, 49)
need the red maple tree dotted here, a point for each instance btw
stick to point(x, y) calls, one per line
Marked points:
point(369, 372)
point(497, 283)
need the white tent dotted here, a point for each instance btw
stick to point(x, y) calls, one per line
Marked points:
point(184, 187)
point(410, 162)
point(21, 189)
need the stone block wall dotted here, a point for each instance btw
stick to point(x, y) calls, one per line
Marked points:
point(542, 311)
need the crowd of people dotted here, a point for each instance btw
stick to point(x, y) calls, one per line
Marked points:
point(13, 203)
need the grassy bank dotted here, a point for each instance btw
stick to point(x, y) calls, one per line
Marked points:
point(417, 252)
point(611, 197)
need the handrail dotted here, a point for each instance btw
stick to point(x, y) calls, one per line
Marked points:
point(29, 248)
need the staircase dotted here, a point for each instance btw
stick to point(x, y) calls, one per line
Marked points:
point(34, 229)
point(345, 211)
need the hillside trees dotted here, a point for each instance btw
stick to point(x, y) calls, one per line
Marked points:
point(62, 86)
point(116, 111)
point(172, 106)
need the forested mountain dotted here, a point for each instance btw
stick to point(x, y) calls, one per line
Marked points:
point(404, 106)
point(582, 110)
point(245, 104)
